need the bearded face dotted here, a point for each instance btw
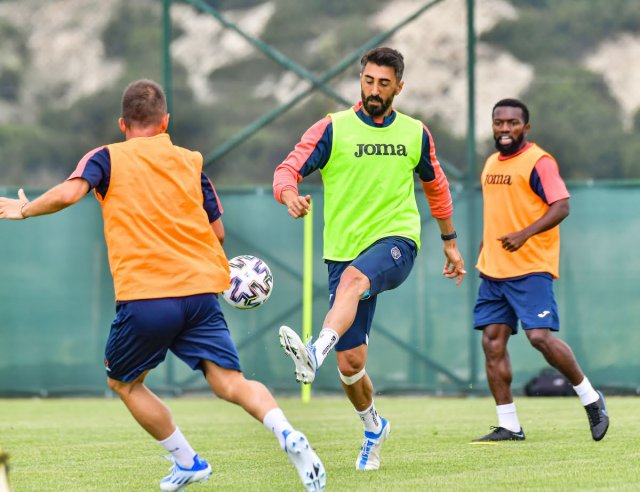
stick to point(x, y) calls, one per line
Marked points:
point(375, 105)
point(378, 87)
point(509, 129)
point(507, 145)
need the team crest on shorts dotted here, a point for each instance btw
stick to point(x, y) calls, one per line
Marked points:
point(395, 253)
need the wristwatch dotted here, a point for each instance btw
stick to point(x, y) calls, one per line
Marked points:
point(448, 237)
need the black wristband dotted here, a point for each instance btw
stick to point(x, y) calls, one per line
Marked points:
point(448, 237)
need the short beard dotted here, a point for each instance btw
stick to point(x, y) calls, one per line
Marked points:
point(376, 110)
point(510, 149)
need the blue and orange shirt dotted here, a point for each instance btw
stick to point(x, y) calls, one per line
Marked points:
point(357, 182)
point(157, 206)
point(517, 190)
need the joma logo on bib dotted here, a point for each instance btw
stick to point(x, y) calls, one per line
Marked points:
point(498, 179)
point(380, 149)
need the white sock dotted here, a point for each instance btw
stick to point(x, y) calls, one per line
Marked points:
point(586, 392)
point(179, 448)
point(325, 342)
point(370, 419)
point(508, 418)
point(277, 423)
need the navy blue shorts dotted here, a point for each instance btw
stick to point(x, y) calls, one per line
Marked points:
point(386, 263)
point(192, 327)
point(529, 299)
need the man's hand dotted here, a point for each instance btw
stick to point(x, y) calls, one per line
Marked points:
point(11, 208)
point(513, 241)
point(297, 206)
point(454, 266)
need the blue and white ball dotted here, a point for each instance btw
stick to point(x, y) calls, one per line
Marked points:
point(251, 282)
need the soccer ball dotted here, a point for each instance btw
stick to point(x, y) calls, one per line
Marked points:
point(251, 282)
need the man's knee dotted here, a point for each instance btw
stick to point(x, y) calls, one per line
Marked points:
point(225, 390)
point(351, 362)
point(540, 338)
point(123, 388)
point(354, 280)
point(119, 387)
point(494, 341)
point(113, 384)
point(494, 347)
point(227, 384)
point(353, 378)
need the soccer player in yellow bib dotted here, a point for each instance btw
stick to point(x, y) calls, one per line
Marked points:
point(164, 233)
point(368, 156)
point(525, 200)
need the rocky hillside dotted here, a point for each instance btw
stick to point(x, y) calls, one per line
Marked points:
point(58, 57)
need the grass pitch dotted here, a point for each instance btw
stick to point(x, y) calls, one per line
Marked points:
point(95, 445)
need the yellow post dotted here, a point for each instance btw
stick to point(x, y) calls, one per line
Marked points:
point(307, 291)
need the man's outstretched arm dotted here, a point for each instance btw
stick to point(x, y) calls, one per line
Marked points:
point(57, 198)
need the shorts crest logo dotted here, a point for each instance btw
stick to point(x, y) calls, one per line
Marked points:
point(395, 253)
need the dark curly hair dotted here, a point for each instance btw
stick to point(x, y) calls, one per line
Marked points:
point(512, 103)
point(385, 57)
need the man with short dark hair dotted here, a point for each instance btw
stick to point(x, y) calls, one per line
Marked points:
point(368, 156)
point(164, 234)
point(525, 200)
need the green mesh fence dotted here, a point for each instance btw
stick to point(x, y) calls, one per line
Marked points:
point(56, 301)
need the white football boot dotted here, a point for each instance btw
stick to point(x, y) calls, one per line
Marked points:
point(303, 356)
point(180, 477)
point(369, 455)
point(310, 468)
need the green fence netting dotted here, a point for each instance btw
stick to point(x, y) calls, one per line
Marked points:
point(56, 301)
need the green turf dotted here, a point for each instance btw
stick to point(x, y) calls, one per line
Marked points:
point(94, 445)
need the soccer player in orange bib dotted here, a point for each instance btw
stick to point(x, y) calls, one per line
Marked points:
point(525, 199)
point(164, 234)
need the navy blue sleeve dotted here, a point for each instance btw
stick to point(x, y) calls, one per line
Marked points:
point(210, 203)
point(425, 167)
point(95, 169)
point(536, 185)
point(320, 154)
